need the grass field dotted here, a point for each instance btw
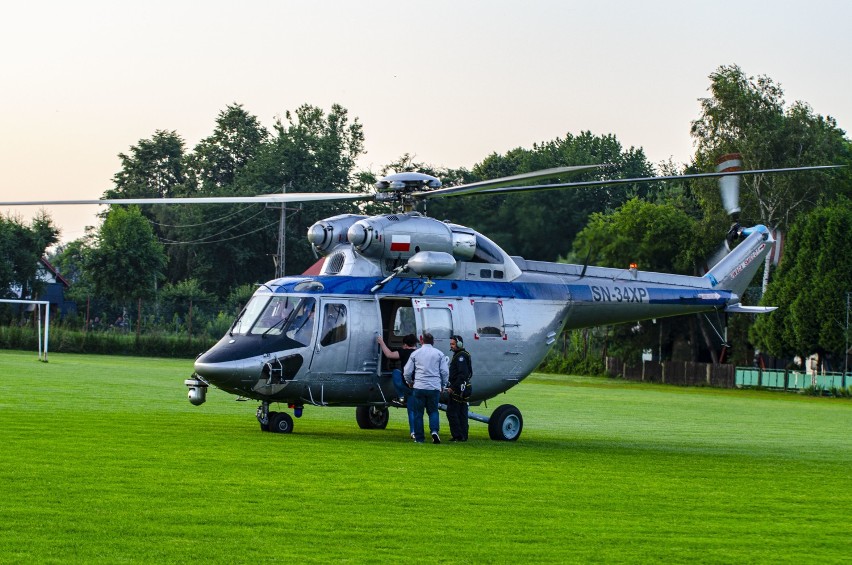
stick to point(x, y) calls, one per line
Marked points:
point(103, 460)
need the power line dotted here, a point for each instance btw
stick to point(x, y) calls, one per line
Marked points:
point(173, 241)
point(231, 215)
point(203, 242)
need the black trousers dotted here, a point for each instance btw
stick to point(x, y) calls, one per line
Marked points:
point(457, 417)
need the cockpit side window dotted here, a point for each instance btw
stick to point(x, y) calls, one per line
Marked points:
point(333, 324)
point(300, 327)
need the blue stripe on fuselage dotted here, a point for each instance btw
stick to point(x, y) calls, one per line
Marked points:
point(525, 290)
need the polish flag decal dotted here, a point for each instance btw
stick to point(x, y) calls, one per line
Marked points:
point(400, 243)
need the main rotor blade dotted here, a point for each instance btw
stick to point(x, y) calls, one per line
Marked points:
point(502, 181)
point(263, 199)
point(652, 179)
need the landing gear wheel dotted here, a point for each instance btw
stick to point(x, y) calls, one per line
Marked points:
point(280, 423)
point(372, 417)
point(505, 423)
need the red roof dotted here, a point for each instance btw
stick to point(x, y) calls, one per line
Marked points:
point(315, 268)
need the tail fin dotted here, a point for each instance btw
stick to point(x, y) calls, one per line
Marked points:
point(736, 270)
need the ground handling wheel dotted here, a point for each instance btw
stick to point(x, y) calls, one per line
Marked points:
point(505, 423)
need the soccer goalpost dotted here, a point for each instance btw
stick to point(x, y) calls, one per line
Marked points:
point(42, 338)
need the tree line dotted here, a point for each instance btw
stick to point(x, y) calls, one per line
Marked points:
point(211, 255)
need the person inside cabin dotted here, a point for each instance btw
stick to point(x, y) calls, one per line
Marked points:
point(303, 326)
point(403, 392)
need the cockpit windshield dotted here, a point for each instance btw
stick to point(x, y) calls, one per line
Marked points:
point(289, 315)
point(274, 315)
point(249, 315)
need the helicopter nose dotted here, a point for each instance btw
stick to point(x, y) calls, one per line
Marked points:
point(218, 372)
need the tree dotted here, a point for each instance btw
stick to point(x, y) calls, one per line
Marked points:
point(309, 151)
point(655, 236)
point(226, 245)
point(154, 168)
point(747, 115)
point(658, 237)
point(126, 261)
point(21, 247)
point(217, 160)
point(541, 225)
point(810, 287)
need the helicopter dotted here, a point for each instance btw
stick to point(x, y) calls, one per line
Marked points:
point(311, 339)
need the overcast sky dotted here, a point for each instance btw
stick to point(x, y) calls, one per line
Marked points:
point(448, 81)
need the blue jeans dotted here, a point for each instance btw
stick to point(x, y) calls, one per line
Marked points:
point(427, 399)
point(403, 391)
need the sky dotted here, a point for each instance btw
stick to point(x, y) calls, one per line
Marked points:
point(447, 81)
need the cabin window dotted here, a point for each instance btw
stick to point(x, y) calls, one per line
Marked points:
point(438, 322)
point(485, 273)
point(489, 319)
point(333, 324)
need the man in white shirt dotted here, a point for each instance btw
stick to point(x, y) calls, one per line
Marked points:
point(427, 371)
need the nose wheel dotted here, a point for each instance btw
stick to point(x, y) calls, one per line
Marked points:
point(276, 422)
point(280, 423)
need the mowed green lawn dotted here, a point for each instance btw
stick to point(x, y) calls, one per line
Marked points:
point(103, 460)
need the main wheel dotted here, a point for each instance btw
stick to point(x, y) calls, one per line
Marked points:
point(280, 423)
point(372, 417)
point(505, 423)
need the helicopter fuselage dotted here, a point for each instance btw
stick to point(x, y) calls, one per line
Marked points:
point(312, 339)
point(508, 327)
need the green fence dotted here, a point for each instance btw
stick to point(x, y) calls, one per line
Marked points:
point(789, 380)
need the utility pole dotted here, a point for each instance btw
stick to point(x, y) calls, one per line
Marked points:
point(281, 257)
point(846, 351)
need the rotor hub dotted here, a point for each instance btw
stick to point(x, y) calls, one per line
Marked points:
point(399, 187)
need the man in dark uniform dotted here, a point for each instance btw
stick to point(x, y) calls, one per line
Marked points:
point(459, 389)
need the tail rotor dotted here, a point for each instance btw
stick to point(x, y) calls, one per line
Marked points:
point(729, 189)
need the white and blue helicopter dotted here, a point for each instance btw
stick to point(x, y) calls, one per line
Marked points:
point(310, 340)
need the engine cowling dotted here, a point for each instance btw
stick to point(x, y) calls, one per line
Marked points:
point(327, 234)
point(401, 236)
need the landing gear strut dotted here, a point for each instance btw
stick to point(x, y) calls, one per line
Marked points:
point(262, 416)
point(278, 422)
